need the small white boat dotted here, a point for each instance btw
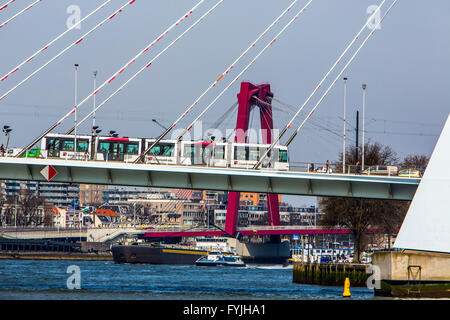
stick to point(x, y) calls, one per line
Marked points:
point(217, 258)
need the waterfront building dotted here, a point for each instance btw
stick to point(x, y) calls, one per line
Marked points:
point(103, 217)
point(60, 194)
point(91, 193)
point(67, 217)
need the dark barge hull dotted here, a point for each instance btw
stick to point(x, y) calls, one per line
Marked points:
point(155, 255)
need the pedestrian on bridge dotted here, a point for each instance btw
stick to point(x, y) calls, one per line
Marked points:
point(327, 165)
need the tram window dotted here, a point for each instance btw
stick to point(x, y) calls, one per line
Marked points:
point(67, 145)
point(103, 147)
point(51, 142)
point(132, 149)
point(240, 153)
point(282, 156)
point(168, 150)
point(253, 154)
point(188, 150)
point(155, 151)
point(82, 145)
point(219, 152)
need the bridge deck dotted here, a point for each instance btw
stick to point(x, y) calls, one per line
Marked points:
point(225, 179)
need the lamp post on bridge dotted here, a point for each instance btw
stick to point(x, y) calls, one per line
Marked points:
point(95, 88)
point(364, 86)
point(344, 136)
point(75, 118)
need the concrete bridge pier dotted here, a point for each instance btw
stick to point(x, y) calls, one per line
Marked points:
point(411, 273)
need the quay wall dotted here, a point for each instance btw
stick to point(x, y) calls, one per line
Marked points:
point(328, 274)
point(411, 273)
point(55, 256)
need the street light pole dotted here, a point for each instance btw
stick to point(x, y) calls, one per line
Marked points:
point(344, 137)
point(93, 108)
point(75, 120)
point(363, 118)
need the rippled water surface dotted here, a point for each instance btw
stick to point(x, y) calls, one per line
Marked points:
point(37, 279)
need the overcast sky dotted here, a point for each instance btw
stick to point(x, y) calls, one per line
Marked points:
point(405, 64)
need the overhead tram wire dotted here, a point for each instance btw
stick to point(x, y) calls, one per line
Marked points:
point(146, 66)
point(291, 112)
point(244, 70)
point(214, 83)
point(45, 47)
point(18, 13)
point(225, 115)
point(3, 6)
point(326, 92)
point(67, 48)
point(107, 82)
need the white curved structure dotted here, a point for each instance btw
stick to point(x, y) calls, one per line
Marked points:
point(427, 224)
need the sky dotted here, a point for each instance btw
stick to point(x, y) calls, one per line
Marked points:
point(405, 66)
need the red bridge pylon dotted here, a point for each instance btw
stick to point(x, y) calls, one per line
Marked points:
point(246, 99)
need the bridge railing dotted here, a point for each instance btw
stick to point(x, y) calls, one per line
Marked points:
point(294, 166)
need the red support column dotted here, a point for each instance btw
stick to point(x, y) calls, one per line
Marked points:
point(246, 102)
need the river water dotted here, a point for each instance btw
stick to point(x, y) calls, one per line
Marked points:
point(105, 280)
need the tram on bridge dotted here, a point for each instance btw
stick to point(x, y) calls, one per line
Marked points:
point(166, 152)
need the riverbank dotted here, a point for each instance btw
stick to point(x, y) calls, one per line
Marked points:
point(56, 256)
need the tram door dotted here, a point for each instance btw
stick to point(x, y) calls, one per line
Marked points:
point(117, 151)
point(53, 147)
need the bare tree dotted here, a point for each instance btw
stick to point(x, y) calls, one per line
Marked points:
point(31, 208)
point(414, 162)
point(384, 216)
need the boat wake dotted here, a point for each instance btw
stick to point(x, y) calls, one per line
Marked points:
point(270, 267)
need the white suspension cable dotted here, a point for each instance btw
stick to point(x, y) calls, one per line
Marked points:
point(108, 81)
point(45, 47)
point(133, 60)
point(18, 13)
point(245, 69)
point(3, 6)
point(340, 74)
point(326, 92)
point(67, 48)
point(146, 66)
point(213, 84)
